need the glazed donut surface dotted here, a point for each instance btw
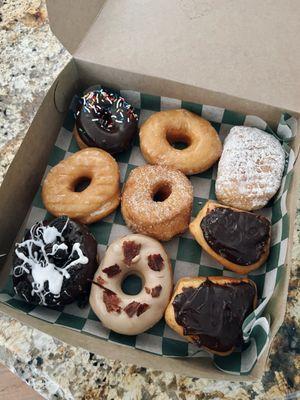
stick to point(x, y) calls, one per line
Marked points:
point(132, 314)
point(166, 127)
point(157, 201)
point(99, 199)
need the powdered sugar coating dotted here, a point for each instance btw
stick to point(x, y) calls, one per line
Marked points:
point(160, 219)
point(250, 168)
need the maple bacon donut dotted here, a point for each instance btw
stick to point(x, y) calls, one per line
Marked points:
point(101, 197)
point(132, 314)
point(166, 127)
point(157, 201)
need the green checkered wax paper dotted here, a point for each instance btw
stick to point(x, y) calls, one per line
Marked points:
point(187, 257)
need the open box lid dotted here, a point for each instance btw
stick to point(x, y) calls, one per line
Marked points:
point(247, 49)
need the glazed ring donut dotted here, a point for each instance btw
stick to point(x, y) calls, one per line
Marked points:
point(157, 201)
point(132, 314)
point(98, 199)
point(166, 127)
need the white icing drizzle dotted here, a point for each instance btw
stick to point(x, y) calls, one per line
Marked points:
point(38, 264)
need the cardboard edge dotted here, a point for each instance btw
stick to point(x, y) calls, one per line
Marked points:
point(123, 79)
point(80, 19)
point(19, 178)
point(129, 355)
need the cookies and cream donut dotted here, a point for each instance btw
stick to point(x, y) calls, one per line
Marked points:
point(210, 311)
point(105, 120)
point(238, 240)
point(157, 201)
point(55, 262)
point(166, 127)
point(250, 168)
point(100, 198)
point(132, 314)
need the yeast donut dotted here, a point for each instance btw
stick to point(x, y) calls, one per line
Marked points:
point(55, 262)
point(166, 127)
point(250, 168)
point(209, 311)
point(157, 201)
point(132, 314)
point(238, 240)
point(101, 196)
point(104, 120)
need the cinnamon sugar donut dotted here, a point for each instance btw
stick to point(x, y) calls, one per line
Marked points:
point(157, 201)
point(250, 168)
point(166, 127)
point(98, 199)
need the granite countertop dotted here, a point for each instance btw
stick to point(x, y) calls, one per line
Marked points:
point(31, 58)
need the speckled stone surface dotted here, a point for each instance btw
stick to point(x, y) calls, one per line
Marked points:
point(31, 57)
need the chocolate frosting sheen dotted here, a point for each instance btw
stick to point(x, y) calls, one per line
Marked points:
point(238, 236)
point(55, 263)
point(213, 314)
point(106, 120)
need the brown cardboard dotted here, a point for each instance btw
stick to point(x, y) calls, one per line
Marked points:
point(71, 19)
point(25, 173)
point(248, 49)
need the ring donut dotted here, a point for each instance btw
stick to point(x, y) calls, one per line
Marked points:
point(157, 201)
point(132, 314)
point(162, 129)
point(105, 120)
point(98, 199)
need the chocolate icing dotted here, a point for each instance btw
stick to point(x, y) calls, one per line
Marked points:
point(213, 314)
point(55, 263)
point(105, 120)
point(238, 236)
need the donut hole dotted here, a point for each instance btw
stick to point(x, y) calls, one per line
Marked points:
point(178, 140)
point(81, 184)
point(161, 192)
point(132, 284)
point(105, 119)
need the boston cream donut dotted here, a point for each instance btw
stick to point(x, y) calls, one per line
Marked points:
point(132, 314)
point(62, 194)
point(237, 239)
point(250, 168)
point(105, 120)
point(157, 201)
point(209, 311)
point(166, 127)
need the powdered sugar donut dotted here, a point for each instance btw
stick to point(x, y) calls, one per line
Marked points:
point(250, 168)
point(132, 314)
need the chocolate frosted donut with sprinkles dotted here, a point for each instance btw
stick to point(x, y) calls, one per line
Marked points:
point(55, 263)
point(105, 120)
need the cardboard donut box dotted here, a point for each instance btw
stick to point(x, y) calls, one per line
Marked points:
point(236, 55)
